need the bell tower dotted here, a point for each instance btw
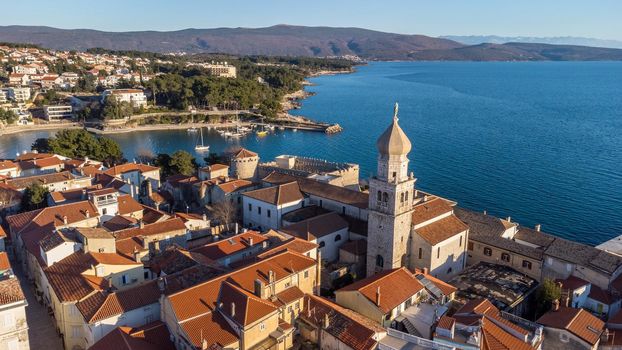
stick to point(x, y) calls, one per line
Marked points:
point(391, 198)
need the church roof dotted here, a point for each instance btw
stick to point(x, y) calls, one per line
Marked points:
point(393, 141)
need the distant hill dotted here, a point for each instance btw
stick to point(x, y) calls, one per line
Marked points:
point(558, 40)
point(287, 40)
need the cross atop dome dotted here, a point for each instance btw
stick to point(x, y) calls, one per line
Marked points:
point(393, 141)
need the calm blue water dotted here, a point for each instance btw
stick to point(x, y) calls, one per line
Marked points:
point(538, 141)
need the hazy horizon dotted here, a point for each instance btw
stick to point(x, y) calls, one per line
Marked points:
point(531, 18)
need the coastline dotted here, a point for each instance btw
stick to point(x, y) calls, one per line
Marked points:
point(288, 102)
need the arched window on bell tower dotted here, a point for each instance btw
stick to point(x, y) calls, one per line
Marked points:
point(385, 197)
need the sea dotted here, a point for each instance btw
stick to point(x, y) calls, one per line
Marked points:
point(540, 142)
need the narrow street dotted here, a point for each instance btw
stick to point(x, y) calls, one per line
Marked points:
point(41, 330)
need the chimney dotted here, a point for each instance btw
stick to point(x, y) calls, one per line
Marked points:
point(538, 227)
point(260, 289)
point(425, 270)
point(136, 255)
point(509, 219)
point(204, 217)
point(250, 241)
point(270, 276)
point(378, 296)
point(87, 214)
point(555, 305)
point(141, 224)
point(485, 212)
point(232, 309)
point(326, 322)
point(65, 219)
point(566, 300)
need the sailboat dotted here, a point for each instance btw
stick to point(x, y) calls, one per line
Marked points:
point(202, 147)
point(263, 132)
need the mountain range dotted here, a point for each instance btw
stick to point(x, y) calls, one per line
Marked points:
point(288, 40)
point(557, 40)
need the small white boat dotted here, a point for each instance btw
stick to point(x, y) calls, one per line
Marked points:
point(294, 129)
point(202, 147)
point(281, 128)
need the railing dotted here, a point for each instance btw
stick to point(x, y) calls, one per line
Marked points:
point(429, 344)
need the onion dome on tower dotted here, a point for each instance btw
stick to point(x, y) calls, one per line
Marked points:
point(393, 141)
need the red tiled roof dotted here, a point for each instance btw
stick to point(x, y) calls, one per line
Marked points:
point(153, 336)
point(396, 286)
point(576, 321)
point(202, 297)
point(100, 306)
point(438, 231)
point(220, 249)
point(232, 186)
point(290, 295)
point(2, 233)
point(67, 278)
point(128, 205)
point(429, 210)
point(215, 167)
point(572, 283)
point(351, 328)
point(210, 327)
point(171, 225)
point(10, 291)
point(243, 153)
point(496, 338)
point(277, 195)
point(4, 261)
point(446, 322)
point(242, 306)
point(317, 226)
point(127, 167)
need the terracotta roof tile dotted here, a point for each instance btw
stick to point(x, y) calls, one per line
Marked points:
point(430, 210)
point(25, 181)
point(67, 277)
point(290, 295)
point(317, 227)
point(210, 327)
point(171, 225)
point(128, 167)
point(242, 306)
point(351, 328)
point(577, 321)
point(446, 322)
point(572, 282)
point(153, 336)
point(321, 189)
point(128, 205)
point(234, 185)
point(10, 291)
point(277, 195)
point(396, 286)
point(4, 261)
point(440, 230)
point(100, 306)
point(243, 153)
point(222, 248)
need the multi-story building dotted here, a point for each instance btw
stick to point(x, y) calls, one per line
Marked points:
point(264, 208)
point(13, 328)
point(19, 94)
point(252, 307)
point(134, 97)
point(57, 113)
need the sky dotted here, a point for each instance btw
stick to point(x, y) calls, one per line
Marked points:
point(589, 18)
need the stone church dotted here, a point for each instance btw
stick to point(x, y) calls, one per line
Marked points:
point(407, 227)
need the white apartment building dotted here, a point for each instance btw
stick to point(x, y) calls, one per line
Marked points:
point(19, 94)
point(58, 113)
point(135, 97)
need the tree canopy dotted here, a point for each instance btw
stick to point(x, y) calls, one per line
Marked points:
point(35, 197)
point(180, 162)
point(79, 143)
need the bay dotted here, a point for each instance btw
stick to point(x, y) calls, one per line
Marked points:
point(538, 141)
